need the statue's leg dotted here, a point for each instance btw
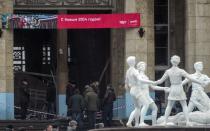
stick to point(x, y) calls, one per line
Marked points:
point(185, 110)
point(201, 107)
point(154, 108)
point(196, 100)
point(201, 103)
point(205, 100)
point(137, 116)
point(143, 114)
point(168, 110)
point(190, 106)
point(134, 113)
point(131, 117)
point(138, 112)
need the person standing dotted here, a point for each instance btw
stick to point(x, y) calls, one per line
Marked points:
point(76, 103)
point(51, 97)
point(108, 101)
point(24, 98)
point(92, 104)
point(69, 92)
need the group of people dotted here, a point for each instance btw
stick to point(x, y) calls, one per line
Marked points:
point(89, 103)
point(138, 84)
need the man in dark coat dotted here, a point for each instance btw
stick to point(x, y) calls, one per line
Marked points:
point(92, 104)
point(69, 92)
point(50, 98)
point(109, 98)
point(76, 103)
point(24, 98)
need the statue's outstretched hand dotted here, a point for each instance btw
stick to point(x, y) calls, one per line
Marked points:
point(166, 89)
point(155, 83)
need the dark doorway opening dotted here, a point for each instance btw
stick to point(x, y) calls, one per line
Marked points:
point(89, 55)
point(34, 61)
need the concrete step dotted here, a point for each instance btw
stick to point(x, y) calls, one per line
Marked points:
point(33, 125)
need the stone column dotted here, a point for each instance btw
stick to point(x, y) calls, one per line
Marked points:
point(62, 71)
point(197, 34)
point(190, 35)
point(6, 67)
point(142, 48)
point(177, 29)
point(117, 52)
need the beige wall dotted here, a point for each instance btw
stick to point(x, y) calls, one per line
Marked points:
point(142, 48)
point(6, 52)
point(6, 67)
point(198, 34)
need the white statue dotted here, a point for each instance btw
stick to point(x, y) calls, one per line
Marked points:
point(144, 96)
point(131, 83)
point(198, 97)
point(176, 92)
point(135, 114)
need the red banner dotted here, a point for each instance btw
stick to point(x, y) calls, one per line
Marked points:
point(98, 21)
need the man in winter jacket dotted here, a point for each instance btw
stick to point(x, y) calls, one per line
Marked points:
point(92, 104)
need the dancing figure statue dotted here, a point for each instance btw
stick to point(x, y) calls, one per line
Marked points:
point(176, 92)
point(198, 97)
point(144, 96)
point(131, 83)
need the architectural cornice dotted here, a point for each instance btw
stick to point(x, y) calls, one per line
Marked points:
point(64, 4)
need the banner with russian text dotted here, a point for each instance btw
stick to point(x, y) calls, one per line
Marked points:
point(99, 21)
point(66, 21)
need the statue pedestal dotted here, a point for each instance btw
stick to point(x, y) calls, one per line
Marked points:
point(156, 128)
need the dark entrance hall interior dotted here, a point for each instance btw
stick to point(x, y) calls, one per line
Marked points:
point(89, 54)
point(35, 61)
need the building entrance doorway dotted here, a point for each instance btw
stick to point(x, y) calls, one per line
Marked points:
point(34, 61)
point(89, 54)
point(89, 57)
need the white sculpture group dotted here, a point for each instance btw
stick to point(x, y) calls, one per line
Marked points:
point(138, 84)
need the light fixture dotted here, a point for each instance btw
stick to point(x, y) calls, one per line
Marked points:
point(141, 32)
point(1, 33)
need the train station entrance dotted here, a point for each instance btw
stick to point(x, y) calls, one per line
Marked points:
point(36, 59)
point(52, 48)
